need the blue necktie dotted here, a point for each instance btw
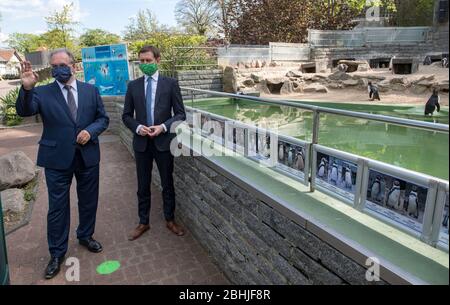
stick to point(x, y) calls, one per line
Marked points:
point(149, 102)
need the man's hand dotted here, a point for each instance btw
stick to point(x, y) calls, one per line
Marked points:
point(28, 77)
point(83, 137)
point(144, 131)
point(155, 131)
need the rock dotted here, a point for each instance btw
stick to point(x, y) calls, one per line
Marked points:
point(350, 82)
point(316, 88)
point(263, 87)
point(419, 89)
point(275, 80)
point(294, 74)
point(250, 92)
point(383, 86)
point(287, 88)
point(338, 75)
point(298, 87)
point(273, 64)
point(363, 67)
point(248, 82)
point(248, 65)
point(256, 78)
point(443, 85)
point(318, 78)
point(16, 169)
point(335, 86)
point(370, 76)
point(230, 80)
point(399, 80)
point(425, 83)
point(13, 200)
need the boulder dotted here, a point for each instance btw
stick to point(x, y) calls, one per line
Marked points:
point(335, 85)
point(256, 78)
point(287, 88)
point(263, 87)
point(250, 92)
point(248, 82)
point(275, 80)
point(294, 74)
point(16, 169)
point(339, 75)
point(350, 82)
point(425, 83)
point(298, 87)
point(316, 88)
point(13, 200)
point(230, 80)
point(442, 85)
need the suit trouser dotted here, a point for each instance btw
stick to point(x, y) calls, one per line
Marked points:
point(144, 165)
point(58, 218)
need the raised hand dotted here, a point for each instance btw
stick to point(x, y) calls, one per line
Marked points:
point(28, 77)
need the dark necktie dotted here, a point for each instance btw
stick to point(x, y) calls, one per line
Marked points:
point(71, 102)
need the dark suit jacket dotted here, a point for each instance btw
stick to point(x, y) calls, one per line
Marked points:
point(169, 108)
point(58, 144)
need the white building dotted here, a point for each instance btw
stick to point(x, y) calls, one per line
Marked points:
point(9, 62)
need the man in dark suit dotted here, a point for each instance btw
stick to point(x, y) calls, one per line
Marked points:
point(153, 105)
point(73, 117)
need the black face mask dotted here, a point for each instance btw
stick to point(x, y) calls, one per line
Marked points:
point(62, 73)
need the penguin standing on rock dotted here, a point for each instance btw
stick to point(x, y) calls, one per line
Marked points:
point(393, 197)
point(334, 174)
point(413, 203)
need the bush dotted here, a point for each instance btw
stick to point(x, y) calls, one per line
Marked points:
point(8, 113)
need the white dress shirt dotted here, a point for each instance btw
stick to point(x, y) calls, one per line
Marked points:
point(74, 91)
point(154, 79)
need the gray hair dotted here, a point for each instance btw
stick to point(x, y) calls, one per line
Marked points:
point(63, 50)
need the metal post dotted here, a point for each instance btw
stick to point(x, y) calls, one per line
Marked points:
point(314, 140)
point(4, 270)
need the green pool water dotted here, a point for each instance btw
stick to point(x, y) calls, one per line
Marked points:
point(411, 148)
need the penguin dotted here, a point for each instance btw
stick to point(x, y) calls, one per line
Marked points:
point(348, 178)
point(334, 174)
point(266, 151)
point(322, 168)
point(445, 221)
point(413, 203)
point(281, 152)
point(300, 163)
point(376, 189)
point(291, 157)
point(393, 197)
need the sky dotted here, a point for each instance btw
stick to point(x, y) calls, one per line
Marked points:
point(27, 16)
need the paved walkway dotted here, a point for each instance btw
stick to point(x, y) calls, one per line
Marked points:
point(159, 257)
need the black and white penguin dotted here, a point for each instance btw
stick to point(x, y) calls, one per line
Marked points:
point(334, 173)
point(291, 157)
point(281, 152)
point(300, 162)
point(413, 203)
point(322, 170)
point(393, 197)
point(376, 190)
point(348, 178)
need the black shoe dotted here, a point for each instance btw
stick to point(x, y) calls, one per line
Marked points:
point(53, 267)
point(92, 245)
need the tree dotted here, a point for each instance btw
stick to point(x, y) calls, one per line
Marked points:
point(62, 23)
point(97, 37)
point(414, 13)
point(197, 16)
point(141, 27)
point(25, 43)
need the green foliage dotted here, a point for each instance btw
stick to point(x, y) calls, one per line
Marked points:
point(414, 12)
point(8, 114)
point(179, 46)
point(142, 26)
point(8, 108)
point(25, 43)
point(97, 37)
point(29, 190)
point(62, 24)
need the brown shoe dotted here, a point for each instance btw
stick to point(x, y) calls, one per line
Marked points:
point(136, 233)
point(175, 228)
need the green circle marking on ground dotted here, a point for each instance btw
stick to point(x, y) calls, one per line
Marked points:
point(108, 267)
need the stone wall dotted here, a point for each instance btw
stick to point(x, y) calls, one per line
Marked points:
point(252, 242)
point(115, 117)
point(202, 79)
point(327, 55)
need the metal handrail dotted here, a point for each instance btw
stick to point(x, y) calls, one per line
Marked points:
point(318, 109)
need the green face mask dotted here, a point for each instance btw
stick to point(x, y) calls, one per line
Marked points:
point(148, 69)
